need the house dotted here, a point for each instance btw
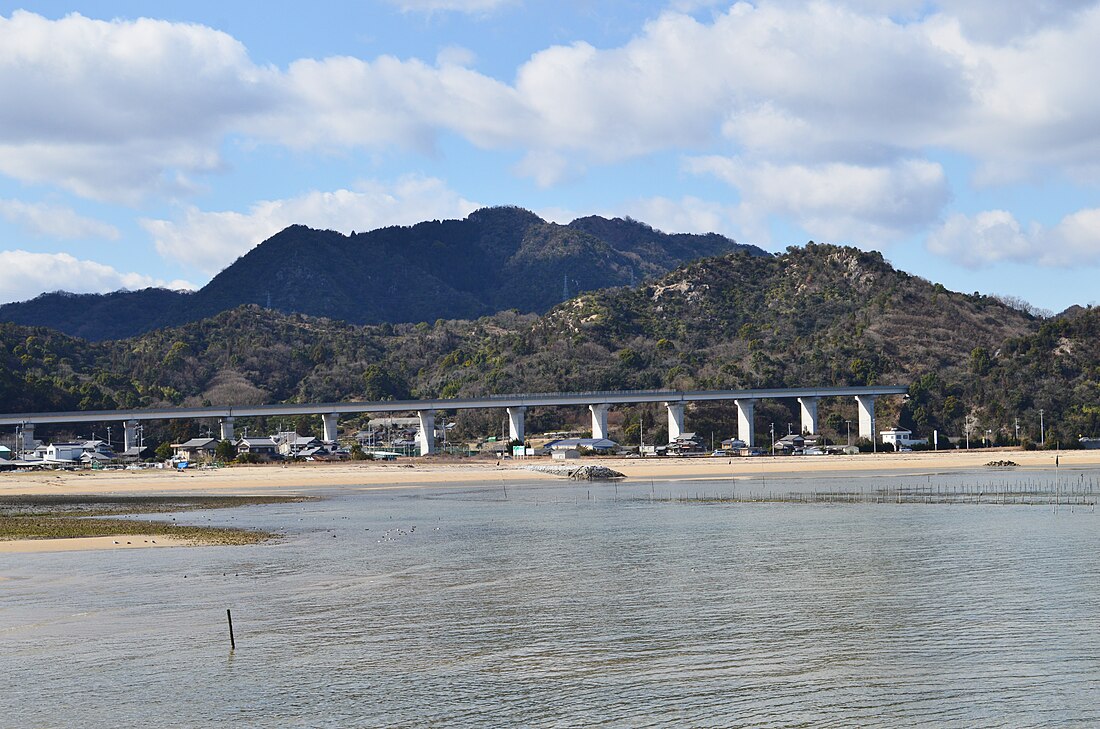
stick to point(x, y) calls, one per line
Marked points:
point(68, 452)
point(684, 444)
point(291, 445)
point(598, 445)
point(733, 444)
point(790, 444)
point(196, 449)
point(899, 437)
point(259, 446)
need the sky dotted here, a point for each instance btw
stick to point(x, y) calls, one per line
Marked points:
point(961, 137)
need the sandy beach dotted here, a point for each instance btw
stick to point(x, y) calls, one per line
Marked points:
point(304, 478)
point(307, 478)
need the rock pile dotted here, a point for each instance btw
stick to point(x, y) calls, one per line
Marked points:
point(594, 473)
point(1002, 464)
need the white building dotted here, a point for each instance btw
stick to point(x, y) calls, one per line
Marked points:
point(60, 452)
point(899, 437)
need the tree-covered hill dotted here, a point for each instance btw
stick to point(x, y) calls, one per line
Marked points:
point(493, 260)
point(816, 315)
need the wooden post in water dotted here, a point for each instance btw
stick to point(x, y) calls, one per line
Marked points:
point(232, 642)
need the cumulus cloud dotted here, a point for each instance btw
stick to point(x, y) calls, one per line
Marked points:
point(24, 275)
point(828, 82)
point(836, 202)
point(840, 100)
point(994, 236)
point(212, 240)
point(55, 221)
point(111, 110)
point(689, 214)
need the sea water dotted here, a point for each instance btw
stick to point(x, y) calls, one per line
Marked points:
point(551, 604)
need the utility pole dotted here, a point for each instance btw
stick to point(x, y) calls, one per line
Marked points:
point(1042, 429)
point(849, 424)
point(1017, 430)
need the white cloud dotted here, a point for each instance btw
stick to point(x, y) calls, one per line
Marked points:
point(212, 240)
point(687, 215)
point(546, 168)
point(24, 275)
point(51, 220)
point(828, 107)
point(869, 206)
point(113, 110)
point(994, 236)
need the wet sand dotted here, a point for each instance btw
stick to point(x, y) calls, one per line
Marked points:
point(79, 544)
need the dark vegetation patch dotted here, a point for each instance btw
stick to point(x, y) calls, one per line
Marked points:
point(62, 517)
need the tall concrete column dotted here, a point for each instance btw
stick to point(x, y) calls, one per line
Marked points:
point(129, 434)
point(515, 424)
point(675, 420)
point(866, 408)
point(226, 428)
point(809, 414)
point(746, 430)
point(599, 419)
point(328, 423)
point(426, 436)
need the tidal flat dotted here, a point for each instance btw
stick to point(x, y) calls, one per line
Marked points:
point(25, 517)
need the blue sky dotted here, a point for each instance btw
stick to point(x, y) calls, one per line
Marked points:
point(962, 139)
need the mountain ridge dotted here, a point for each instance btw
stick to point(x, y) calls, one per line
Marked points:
point(494, 259)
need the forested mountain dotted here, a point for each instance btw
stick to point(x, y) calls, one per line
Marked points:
point(816, 315)
point(493, 260)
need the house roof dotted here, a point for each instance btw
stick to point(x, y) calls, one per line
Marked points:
point(197, 443)
point(258, 442)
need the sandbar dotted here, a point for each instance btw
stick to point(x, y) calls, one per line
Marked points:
point(79, 544)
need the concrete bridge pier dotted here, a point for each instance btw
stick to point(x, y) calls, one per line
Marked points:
point(426, 436)
point(329, 422)
point(130, 434)
point(226, 426)
point(746, 429)
point(866, 406)
point(809, 414)
point(675, 420)
point(599, 419)
point(515, 424)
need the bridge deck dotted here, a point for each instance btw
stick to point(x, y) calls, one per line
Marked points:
point(620, 397)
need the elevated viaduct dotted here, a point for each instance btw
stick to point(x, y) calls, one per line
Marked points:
point(516, 406)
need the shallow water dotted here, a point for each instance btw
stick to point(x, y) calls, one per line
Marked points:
point(556, 605)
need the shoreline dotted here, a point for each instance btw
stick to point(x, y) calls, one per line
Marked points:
point(308, 478)
point(436, 471)
point(303, 478)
